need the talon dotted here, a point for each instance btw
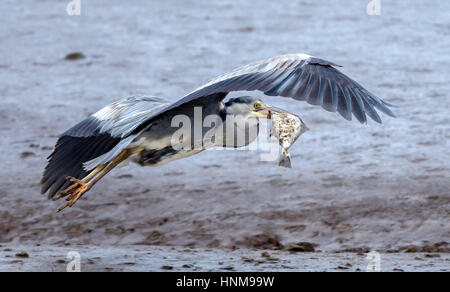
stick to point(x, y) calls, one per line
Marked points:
point(66, 192)
point(70, 197)
point(75, 184)
point(74, 180)
point(74, 192)
point(57, 197)
point(73, 198)
point(63, 207)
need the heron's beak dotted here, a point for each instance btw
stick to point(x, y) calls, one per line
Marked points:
point(261, 114)
point(266, 115)
point(271, 109)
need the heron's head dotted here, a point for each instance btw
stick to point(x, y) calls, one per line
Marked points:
point(248, 106)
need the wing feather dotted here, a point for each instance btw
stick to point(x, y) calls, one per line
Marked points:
point(344, 104)
point(357, 106)
point(301, 77)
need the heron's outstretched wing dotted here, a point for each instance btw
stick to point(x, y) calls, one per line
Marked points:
point(301, 77)
point(103, 134)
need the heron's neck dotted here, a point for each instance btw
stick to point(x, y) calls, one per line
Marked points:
point(237, 130)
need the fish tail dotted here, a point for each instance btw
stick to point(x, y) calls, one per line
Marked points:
point(285, 161)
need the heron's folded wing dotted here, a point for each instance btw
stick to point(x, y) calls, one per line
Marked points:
point(119, 118)
point(301, 77)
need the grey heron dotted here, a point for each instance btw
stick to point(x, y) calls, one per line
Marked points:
point(138, 129)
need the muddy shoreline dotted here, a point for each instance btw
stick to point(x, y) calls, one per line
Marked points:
point(179, 259)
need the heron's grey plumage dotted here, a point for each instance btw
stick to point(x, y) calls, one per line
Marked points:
point(101, 137)
point(119, 118)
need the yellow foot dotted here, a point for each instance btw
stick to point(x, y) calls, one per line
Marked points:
point(74, 192)
point(75, 183)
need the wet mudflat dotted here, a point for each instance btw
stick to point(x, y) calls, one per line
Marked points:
point(367, 187)
point(163, 258)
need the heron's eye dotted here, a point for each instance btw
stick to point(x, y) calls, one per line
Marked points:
point(258, 106)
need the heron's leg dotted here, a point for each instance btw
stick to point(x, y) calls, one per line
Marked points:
point(87, 182)
point(76, 183)
point(93, 173)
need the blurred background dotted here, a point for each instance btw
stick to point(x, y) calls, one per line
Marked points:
point(352, 187)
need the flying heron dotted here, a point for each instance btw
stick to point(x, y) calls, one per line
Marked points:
point(139, 129)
